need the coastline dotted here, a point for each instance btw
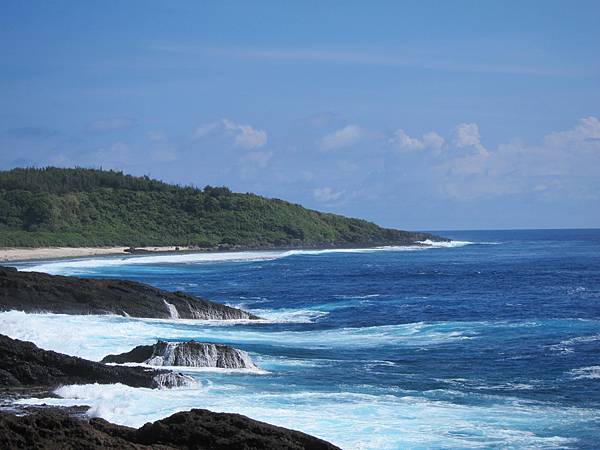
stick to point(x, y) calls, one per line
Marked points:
point(49, 253)
point(23, 254)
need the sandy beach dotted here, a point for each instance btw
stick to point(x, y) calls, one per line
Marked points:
point(25, 254)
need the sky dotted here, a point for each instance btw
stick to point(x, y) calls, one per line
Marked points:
point(421, 115)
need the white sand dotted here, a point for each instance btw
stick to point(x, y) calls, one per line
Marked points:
point(22, 254)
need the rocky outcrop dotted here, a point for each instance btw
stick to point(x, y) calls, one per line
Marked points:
point(172, 380)
point(197, 429)
point(40, 292)
point(190, 354)
point(22, 364)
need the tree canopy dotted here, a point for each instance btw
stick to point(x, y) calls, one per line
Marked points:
point(89, 207)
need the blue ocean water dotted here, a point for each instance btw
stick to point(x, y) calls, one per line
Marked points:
point(492, 342)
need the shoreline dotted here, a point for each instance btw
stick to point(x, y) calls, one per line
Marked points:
point(25, 254)
point(42, 253)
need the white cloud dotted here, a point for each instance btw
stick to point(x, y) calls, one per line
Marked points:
point(344, 137)
point(433, 140)
point(586, 132)
point(467, 135)
point(110, 124)
point(403, 141)
point(565, 164)
point(244, 136)
point(327, 195)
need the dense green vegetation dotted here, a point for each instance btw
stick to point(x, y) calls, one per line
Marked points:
point(86, 207)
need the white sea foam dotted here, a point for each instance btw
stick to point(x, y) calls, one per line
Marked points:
point(567, 345)
point(94, 337)
point(192, 370)
point(350, 296)
point(444, 244)
point(349, 419)
point(591, 373)
point(290, 315)
point(81, 266)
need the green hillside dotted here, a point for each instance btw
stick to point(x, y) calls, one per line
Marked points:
point(86, 207)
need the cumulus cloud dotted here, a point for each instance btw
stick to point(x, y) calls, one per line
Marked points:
point(402, 141)
point(564, 164)
point(327, 194)
point(244, 136)
point(344, 137)
point(110, 124)
point(586, 132)
point(467, 135)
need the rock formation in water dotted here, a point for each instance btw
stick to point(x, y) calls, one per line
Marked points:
point(22, 364)
point(197, 429)
point(190, 354)
point(39, 292)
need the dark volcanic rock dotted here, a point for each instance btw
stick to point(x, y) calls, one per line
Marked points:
point(190, 354)
point(24, 364)
point(197, 429)
point(139, 354)
point(39, 292)
point(54, 430)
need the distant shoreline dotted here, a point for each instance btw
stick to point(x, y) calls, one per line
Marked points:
point(42, 253)
point(24, 254)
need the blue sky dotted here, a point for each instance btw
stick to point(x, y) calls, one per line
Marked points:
point(417, 115)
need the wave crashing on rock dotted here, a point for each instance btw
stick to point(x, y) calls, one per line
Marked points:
point(187, 354)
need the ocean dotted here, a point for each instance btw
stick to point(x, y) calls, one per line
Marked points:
point(492, 341)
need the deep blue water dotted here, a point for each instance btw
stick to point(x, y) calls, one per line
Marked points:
point(491, 344)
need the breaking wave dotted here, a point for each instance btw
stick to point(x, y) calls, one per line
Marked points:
point(103, 335)
point(80, 266)
point(353, 415)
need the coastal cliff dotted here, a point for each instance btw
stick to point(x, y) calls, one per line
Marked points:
point(39, 292)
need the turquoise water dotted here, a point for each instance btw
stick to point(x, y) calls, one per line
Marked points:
point(491, 342)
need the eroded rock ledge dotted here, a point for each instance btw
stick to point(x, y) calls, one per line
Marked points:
point(189, 354)
point(40, 292)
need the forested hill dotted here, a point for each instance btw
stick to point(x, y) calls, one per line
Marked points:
point(86, 207)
